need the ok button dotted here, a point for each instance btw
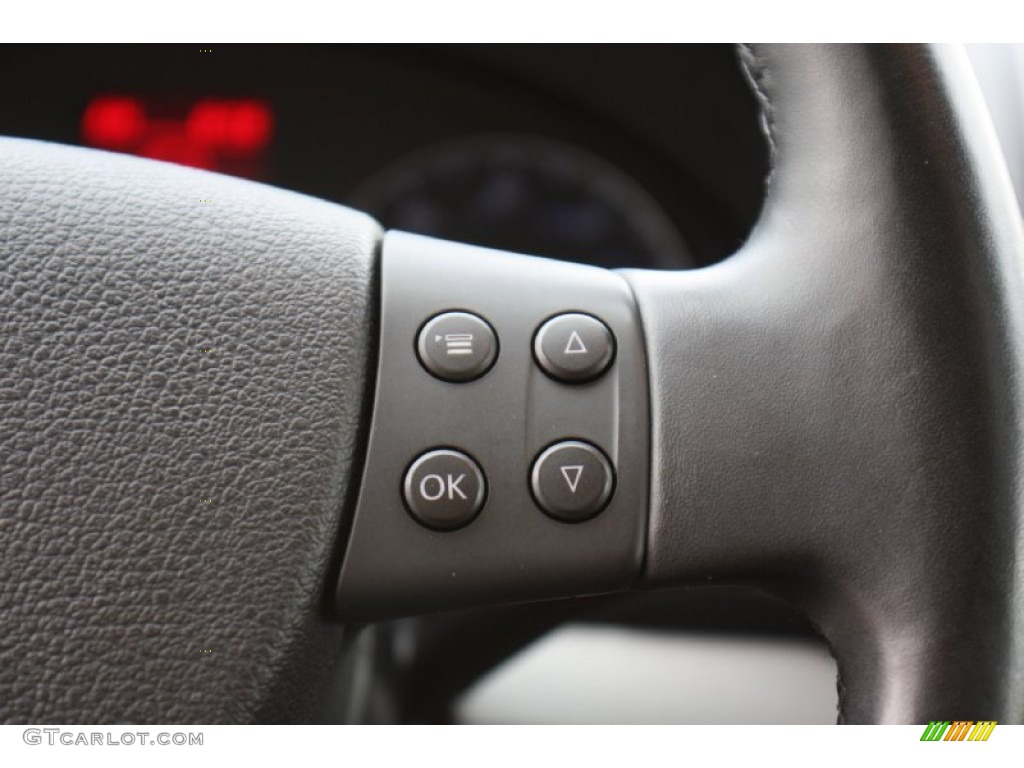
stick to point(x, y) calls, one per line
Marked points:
point(444, 489)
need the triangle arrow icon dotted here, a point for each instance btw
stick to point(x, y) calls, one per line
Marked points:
point(572, 475)
point(575, 345)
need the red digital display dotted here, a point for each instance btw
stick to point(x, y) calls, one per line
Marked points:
point(220, 134)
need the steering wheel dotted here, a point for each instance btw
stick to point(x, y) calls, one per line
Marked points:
point(214, 397)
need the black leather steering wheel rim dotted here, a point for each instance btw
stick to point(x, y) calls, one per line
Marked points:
point(837, 407)
point(188, 371)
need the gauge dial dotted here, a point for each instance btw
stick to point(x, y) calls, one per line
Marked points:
point(529, 195)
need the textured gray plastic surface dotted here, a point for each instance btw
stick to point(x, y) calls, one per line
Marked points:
point(512, 551)
point(182, 388)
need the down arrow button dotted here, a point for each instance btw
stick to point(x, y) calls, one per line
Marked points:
point(572, 481)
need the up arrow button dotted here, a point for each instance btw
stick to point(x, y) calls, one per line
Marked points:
point(574, 348)
point(575, 345)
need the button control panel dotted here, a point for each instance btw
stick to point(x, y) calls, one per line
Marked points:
point(507, 457)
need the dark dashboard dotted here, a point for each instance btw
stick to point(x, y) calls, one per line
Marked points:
point(645, 156)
